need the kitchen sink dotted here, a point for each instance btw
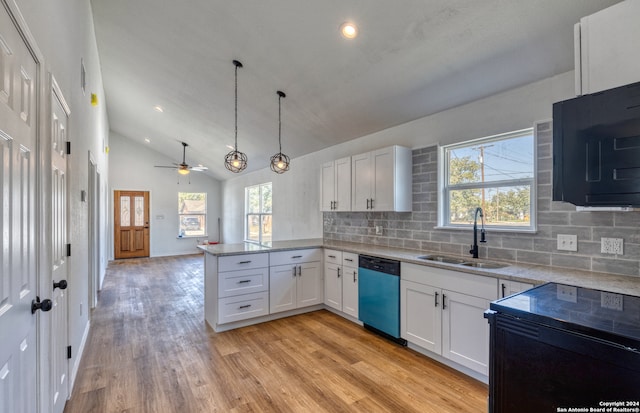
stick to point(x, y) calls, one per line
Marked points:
point(484, 264)
point(442, 258)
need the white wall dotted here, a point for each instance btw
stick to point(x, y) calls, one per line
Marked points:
point(132, 168)
point(296, 194)
point(63, 31)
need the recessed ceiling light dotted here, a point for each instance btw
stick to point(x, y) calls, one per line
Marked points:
point(158, 108)
point(147, 140)
point(349, 30)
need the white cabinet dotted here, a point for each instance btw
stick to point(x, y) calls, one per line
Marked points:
point(443, 311)
point(381, 180)
point(336, 185)
point(509, 287)
point(296, 279)
point(243, 287)
point(341, 281)
point(606, 46)
point(350, 284)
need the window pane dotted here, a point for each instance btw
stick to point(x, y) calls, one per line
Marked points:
point(192, 203)
point(503, 206)
point(266, 198)
point(192, 225)
point(125, 214)
point(139, 212)
point(491, 161)
point(253, 227)
point(266, 229)
point(253, 199)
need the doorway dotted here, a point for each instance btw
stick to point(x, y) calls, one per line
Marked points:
point(131, 224)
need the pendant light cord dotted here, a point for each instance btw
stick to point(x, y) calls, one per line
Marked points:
point(279, 123)
point(236, 107)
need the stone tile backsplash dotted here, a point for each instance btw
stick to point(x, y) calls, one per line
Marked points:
point(416, 230)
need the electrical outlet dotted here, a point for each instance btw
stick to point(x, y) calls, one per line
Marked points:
point(611, 301)
point(567, 293)
point(611, 246)
point(378, 229)
point(567, 242)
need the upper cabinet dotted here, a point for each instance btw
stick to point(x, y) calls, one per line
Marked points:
point(381, 180)
point(606, 48)
point(336, 185)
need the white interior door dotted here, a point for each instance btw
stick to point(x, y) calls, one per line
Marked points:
point(58, 360)
point(19, 71)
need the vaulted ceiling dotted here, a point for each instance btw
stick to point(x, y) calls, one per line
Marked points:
point(411, 58)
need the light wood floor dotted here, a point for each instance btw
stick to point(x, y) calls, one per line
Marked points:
point(150, 350)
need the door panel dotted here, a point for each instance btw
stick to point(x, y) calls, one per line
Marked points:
point(19, 73)
point(131, 222)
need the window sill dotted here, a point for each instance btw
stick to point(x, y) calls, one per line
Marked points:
point(490, 229)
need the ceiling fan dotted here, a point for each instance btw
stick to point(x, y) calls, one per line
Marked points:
point(183, 168)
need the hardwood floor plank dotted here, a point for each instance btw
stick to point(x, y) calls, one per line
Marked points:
point(149, 350)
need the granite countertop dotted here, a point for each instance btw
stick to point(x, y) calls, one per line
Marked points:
point(529, 273)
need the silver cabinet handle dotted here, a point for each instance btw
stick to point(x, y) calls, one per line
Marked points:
point(244, 262)
point(245, 306)
point(244, 281)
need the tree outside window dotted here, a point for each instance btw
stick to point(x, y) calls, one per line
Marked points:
point(495, 173)
point(192, 214)
point(258, 227)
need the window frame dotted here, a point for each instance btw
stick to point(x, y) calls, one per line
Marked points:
point(444, 189)
point(261, 215)
point(183, 215)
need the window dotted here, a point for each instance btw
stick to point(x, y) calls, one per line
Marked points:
point(496, 173)
point(192, 214)
point(258, 212)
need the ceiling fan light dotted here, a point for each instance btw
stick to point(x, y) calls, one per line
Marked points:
point(183, 171)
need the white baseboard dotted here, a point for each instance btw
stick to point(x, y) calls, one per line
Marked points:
point(76, 363)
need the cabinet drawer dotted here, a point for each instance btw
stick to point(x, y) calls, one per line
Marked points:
point(295, 256)
point(333, 257)
point(242, 262)
point(350, 259)
point(243, 282)
point(464, 283)
point(242, 307)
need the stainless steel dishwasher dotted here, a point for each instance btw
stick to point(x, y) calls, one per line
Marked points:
point(379, 296)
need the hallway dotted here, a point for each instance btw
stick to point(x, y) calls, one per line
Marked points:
point(149, 350)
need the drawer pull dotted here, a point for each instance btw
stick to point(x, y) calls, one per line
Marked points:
point(297, 256)
point(242, 307)
point(244, 262)
point(244, 281)
point(348, 259)
point(332, 256)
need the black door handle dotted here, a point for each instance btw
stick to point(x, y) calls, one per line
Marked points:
point(45, 305)
point(62, 284)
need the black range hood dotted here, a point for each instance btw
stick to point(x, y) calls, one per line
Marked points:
point(596, 148)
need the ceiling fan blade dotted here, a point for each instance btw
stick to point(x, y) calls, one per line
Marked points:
point(199, 168)
point(165, 166)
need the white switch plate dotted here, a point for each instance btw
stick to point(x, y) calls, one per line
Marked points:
point(567, 293)
point(611, 246)
point(611, 300)
point(567, 242)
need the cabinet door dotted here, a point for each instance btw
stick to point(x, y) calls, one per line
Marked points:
point(333, 285)
point(361, 182)
point(382, 162)
point(282, 288)
point(350, 291)
point(507, 288)
point(310, 284)
point(465, 332)
point(421, 315)
point(342, 184)
point(327, 187)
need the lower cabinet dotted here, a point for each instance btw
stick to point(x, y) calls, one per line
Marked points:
point(341, 281)
point(510, 287)
point(443, 311)
point(296, 280)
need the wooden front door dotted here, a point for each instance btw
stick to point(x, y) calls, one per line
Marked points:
point(19, 83)
point(131, 223)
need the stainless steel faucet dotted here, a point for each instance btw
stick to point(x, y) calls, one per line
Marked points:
point(474, 248)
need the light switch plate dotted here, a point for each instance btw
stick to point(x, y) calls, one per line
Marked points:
point(567, 242)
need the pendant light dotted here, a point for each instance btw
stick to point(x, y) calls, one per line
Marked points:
point(280, 161)
point(236, 161)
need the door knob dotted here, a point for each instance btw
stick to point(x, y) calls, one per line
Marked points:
point(62, 284)
point(36, 305)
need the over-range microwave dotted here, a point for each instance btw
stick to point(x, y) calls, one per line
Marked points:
point(596, 148)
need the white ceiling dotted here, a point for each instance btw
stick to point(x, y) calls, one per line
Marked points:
point(411, 59)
